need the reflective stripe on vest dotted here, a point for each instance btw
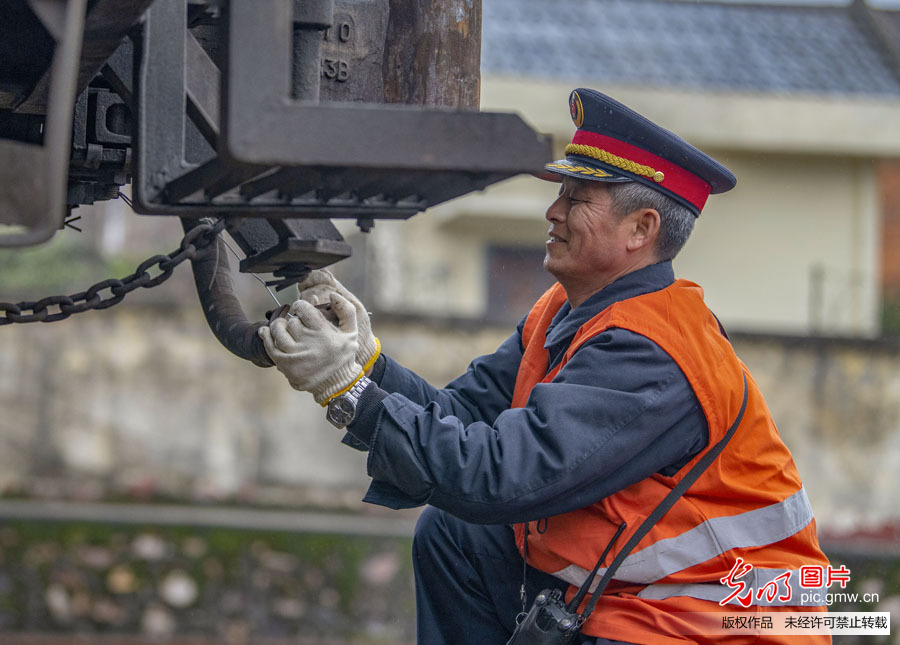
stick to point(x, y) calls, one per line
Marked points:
point(707, 540)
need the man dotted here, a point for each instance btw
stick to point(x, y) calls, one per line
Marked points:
point(615, 385)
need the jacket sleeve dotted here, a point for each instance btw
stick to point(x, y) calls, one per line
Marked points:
point(619, 411)
point(481, 394)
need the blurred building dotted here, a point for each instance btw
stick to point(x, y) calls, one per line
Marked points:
point(801, 102)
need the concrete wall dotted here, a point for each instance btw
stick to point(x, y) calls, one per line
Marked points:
point(142, 402)
point(787, 250)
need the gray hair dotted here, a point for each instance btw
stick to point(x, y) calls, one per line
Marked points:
point(675, 221)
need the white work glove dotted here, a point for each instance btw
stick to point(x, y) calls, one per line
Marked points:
point(315, 355)
point(317, 288)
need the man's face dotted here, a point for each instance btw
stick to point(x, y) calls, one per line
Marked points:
point(587, 245)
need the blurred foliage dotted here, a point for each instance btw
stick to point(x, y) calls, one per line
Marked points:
point(872, 575)
point(66, 264)
point(890, 314)
point(87, 578)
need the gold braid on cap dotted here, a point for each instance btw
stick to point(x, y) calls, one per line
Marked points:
point(611, 159)
point(581, 170)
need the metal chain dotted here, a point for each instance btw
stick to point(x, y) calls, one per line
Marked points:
point(196, 240)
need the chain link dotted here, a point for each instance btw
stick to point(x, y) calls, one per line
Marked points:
point(195, 241)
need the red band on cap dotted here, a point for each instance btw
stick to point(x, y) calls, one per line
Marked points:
point(676, 179)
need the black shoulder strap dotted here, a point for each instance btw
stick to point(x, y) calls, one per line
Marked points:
point(664, 506)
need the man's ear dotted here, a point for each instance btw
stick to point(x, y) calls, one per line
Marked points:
point(645, 229)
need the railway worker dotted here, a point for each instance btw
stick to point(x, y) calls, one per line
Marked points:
point(607, 394)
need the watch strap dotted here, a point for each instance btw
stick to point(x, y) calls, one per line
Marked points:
point(343, 409)
point(357, 388)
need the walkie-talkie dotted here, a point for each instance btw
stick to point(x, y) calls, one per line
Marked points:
point(552, 622)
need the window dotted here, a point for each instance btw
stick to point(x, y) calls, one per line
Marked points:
point(516, 279)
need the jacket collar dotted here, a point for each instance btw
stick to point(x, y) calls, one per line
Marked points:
point(568, 321)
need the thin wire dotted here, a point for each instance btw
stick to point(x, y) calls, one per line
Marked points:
point(269, 289)
point(126, 199)
point(69, 224)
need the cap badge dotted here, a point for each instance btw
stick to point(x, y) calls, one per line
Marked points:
point(576, 109)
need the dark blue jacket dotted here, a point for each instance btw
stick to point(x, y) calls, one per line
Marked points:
point(462, 448)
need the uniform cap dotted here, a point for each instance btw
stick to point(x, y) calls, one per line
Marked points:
point(613, 143)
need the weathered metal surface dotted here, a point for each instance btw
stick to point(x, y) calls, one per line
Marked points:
point(160, 99)
point(202, 82)
point(279, 157)
point(26, 51)
point(353, 52)
point(46, 165)
point(118, 72)
point(337, 50)
point(434, 55)
point(397, 137)
point(101, 140)
point(106, 24)
point(310, 19)
point(300, 245)
point(52, 15)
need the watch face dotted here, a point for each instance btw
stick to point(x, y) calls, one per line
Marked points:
point(341, 411)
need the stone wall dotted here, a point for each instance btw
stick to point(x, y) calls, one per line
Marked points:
point(141, 402)
point(177, 584)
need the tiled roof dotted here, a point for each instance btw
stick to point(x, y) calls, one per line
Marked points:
point(693, 45)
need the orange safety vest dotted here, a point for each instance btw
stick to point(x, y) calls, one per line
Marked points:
point(749, 503)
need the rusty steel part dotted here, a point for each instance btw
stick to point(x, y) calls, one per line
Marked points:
point(196, 242)
point(435, 53)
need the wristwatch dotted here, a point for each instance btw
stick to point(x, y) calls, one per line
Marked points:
point(342, 409)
